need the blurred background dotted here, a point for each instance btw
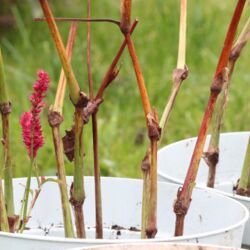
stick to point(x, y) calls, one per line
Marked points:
point(27, 46)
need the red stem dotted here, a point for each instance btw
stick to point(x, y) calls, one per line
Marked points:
point(184, 195)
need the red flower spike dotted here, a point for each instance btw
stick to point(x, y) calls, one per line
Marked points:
point(30, 121)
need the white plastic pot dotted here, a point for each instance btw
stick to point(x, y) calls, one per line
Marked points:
point(156, 246)
point(174, 159)
point(122, 206)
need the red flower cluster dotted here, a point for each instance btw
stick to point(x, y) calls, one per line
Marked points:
point(30, 121)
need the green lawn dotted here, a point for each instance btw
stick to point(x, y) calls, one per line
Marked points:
point(28, 47)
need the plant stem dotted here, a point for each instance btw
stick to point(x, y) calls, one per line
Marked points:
point(77, 190)
point(77, 97)
point(66, 19)
point(151, 229)
point(150, 117)
point(5, 109)
point(60, 93)
point(68, 225)
point(125, 15)
point(55, 119)
point(244, 183)
point(4, 225)
point(26, 195)
point(212, 155)
point(185, 193)
point(182, 35)
point(111, 72)
point(179, 74)
point(98, 197)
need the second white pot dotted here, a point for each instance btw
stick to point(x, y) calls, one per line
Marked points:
point(174, 159)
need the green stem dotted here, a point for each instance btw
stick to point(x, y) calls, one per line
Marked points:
point(4, 225)
point(4, 98)
point(26, 196)
point(245, 174)
point(5, 108)
point(8, 172)
point(212, 155)
point(74, 89)
point(68, 225)
point(78, 192)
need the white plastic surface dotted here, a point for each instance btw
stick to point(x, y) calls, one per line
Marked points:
point(174, 159)
point(157, 246)
point(122, 206)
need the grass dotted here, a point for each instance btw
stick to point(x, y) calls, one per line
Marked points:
point(123, 140)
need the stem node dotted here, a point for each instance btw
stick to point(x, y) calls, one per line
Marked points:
point(55, 118)
point(154, 130)
point(5, 108)
point(180, 75)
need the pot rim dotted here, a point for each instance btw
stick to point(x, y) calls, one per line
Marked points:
point(212, 246)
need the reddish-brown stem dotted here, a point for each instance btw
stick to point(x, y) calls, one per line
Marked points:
point(111, 69)
point(139, 76)
point(88, 20)
point(125, 15)
point(154, 135)
point(97, 174)
point(184, 195)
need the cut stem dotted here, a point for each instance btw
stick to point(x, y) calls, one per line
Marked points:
point(182, 35)
point(185, 193)
point(74, 89)
point(5, 109)
point(212, 155)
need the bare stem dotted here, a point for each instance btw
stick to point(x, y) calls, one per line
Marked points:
point(154, 135)
point(67, 220)
point(60, 93)
point(125, 15)
point(5, 109)
point(77, 190)
point(244, 184)
point(88, 20)
point(97, 174)
point(26, 195)
point(112, 72)
point(4, 225)
point(55, 119)
point(182, 35)
point(212, 155)
point(76, 96)
point(179, 74)
point(184, 195)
